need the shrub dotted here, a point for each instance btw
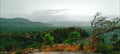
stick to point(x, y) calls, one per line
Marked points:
point(48, 39)
point(102, 48)
point(74, 37)
point(61, 34)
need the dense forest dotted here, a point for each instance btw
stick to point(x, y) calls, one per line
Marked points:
point(21, 36)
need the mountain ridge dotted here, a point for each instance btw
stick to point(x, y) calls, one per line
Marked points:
point(22, 24)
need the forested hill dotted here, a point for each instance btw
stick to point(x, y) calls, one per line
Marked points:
point(14, 20)
point(21, 24)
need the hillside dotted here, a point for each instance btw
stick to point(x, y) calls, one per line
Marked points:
point(21, 24)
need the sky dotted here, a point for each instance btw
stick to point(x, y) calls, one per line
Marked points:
point(58, 10)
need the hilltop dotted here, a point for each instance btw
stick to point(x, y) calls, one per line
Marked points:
point(22, 24)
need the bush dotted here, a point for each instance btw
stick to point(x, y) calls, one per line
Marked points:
point(74, 37)
point(102, 48)
point(61, 34)
point(48, 39)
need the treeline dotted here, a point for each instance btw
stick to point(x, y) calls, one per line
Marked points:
point(34, 39)
point(71, 35)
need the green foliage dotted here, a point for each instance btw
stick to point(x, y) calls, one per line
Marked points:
point(22, 25)
point(48, 39)
point(73, 37)
point(102, 48)
point(19, 51)
point(114, 38)
point(115, 42)
point(22, 40)
point(7, 43)
point(117, 46)
point(34, 45)
point(19, 40)
point(61, 34)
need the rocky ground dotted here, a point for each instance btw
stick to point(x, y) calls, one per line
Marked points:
point(62, 53)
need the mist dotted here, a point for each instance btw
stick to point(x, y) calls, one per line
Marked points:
point(58, 11)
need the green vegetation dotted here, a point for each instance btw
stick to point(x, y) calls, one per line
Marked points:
point(22, 25)
point(48, 39)
point(74, 37)
point(23, 40)
point(18, 35)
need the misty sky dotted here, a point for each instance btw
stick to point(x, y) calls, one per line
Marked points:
point(58, 10)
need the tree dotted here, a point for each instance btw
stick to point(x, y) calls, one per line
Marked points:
point(100, 25)
point(48, 39)
point(74, 37)
point(61, 34)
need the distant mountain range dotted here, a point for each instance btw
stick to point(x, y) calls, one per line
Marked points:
point(70, 24)
point(22, 24)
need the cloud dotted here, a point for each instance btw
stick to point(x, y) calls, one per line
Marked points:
point(48, 15)
point(49, 11)
point(51, 15)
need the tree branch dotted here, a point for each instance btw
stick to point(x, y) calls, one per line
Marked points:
point(108, 30)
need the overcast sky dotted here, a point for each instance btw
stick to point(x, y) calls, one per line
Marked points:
point(51, 10)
